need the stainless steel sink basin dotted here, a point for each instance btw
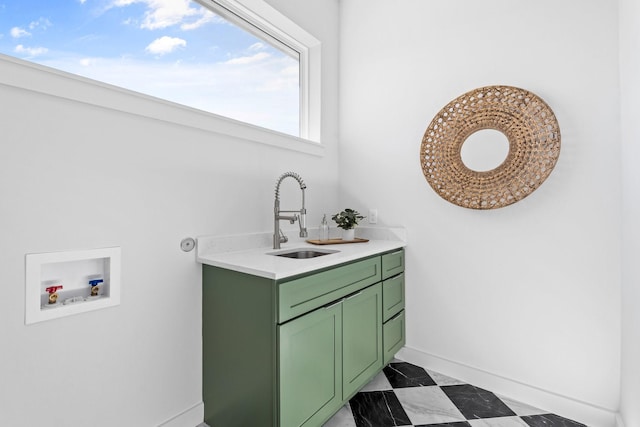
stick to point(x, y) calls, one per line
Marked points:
point(303, 253)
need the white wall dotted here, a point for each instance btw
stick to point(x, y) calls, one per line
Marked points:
point(530, 293)
point(75, 176)
point(630, 95)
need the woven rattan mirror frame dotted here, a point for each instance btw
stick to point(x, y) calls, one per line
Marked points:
point(534, 146)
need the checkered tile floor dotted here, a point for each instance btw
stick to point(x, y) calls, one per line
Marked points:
point(409, 396)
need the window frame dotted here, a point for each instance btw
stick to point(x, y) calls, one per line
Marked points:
point(255, 16)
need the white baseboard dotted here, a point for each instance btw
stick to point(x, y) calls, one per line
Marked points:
point(191, 417)
point(565, 406)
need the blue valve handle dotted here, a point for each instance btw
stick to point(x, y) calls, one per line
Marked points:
point(95, 282)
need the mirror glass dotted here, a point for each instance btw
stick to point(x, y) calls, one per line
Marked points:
point(484, 150)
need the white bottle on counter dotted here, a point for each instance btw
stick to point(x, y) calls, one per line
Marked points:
point(323, 230)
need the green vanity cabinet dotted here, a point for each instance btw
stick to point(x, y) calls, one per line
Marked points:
point(291, 352)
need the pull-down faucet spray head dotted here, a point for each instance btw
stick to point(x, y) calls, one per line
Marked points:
point(294, 176)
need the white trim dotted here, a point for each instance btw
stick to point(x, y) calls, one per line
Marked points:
point(309, 48)
point(565, 406)
point(619, 421)
point(281, 28)
point(244, 18)
point(192, 417)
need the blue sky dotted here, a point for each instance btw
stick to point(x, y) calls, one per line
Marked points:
point(173, 49)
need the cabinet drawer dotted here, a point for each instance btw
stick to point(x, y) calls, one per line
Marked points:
point(307, 293)
point(392, 296)
point(392, 264)
point(393, 336)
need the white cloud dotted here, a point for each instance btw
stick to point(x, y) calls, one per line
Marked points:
point(88, 62)
point(121, 3)
point(30, 51)
point(257, 46)
point(166, 13)
point(165, 45)
point(205, 17)
point(286, 79)
point(17, 32)
point(244, 60)
point(293, 70)
point(44, 23)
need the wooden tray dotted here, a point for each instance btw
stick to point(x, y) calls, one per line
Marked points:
point(336, 241)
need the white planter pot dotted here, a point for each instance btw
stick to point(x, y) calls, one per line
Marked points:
point(349, 234)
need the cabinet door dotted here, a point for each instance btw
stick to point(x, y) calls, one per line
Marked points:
point(310, 365)
point(362, 338)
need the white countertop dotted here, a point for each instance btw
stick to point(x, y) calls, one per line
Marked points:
point(250, 253)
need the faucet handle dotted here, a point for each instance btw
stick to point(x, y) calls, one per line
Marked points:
point(283, 238)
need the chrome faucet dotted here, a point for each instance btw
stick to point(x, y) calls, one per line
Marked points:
point(300, 216)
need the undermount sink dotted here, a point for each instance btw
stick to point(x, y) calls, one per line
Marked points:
point(303, 253)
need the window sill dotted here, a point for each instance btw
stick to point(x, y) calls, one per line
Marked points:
point(37, 78)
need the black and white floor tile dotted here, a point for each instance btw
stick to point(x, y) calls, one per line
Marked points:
point(410, 396)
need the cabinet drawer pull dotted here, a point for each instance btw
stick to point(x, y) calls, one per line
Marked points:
point(353, 296)
point(396, 317)
point(327, 307)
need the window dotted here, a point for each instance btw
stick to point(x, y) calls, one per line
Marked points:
point(219, 56)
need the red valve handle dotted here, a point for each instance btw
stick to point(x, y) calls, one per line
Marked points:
point(53, 289)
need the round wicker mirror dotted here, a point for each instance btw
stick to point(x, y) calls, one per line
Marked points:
point(534, 146)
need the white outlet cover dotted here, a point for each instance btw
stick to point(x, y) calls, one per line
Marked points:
point(373, 216)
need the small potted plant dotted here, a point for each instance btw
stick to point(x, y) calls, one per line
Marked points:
point(347, 220)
